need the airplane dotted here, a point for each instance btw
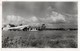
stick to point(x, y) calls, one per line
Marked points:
point(15, 28)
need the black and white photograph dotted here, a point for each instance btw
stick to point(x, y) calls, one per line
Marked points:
point(39, 24)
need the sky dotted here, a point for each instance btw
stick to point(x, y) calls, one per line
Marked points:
point(54, 14)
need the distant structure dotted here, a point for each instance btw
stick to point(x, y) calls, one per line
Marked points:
point(43, 26)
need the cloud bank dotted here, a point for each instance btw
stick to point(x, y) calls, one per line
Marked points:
point(53, 18)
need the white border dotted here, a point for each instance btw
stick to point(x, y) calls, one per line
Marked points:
point(41, 0)
point(0, 22)
point(41, 49)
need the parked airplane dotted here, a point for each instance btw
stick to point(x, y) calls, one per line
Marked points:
point(15, 28)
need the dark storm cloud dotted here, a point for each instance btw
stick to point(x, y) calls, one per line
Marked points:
point(25, 8)
point(38, 8)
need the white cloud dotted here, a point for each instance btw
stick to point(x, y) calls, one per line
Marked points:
point(18, 19)
point(32, 19)
point(55, 17)
point(59, 17)
point(14, 19)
